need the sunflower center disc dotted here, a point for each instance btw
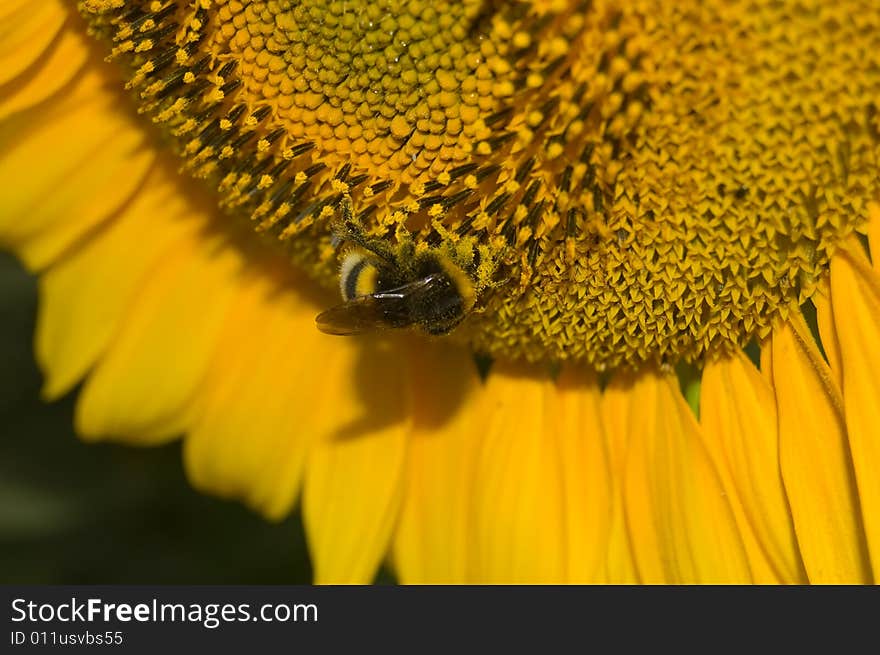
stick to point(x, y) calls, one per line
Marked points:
point(658, 180)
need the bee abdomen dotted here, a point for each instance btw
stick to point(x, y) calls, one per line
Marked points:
point(357, 276)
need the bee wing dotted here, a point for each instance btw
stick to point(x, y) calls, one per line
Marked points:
point(363, 314)
point(376, 311)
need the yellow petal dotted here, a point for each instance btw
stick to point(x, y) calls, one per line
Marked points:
point(255, 417)
point(433, 535)
point(519, 500)
point(825, 321)
point(681, 526)
point(64, 59)
point(621, 563)
point(26, 30)
point(855, 296)
point(588, 489)
point(83, 296)
point(874, 233)
point(354, 475)
point(10, 7)
point(738, 415)
point(143, 386)
point(815, 460)
point(69, 166)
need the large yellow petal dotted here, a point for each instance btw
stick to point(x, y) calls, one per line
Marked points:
point(874, 233)
point(10, 7)
point(815, 460)
point(681, 525)
point(855, 296)
point(63, 60)
point(26, 30)
point(66, 167)
point(827, 333)
point(262, 400)
point(621, 563)
point(354, 474)
point(588, 488)
point(143, 386)
point(433, 536)
point(519, 501)
point(738, 415)
point(83, 296)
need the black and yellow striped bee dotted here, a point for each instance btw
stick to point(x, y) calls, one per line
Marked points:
point(386, 287)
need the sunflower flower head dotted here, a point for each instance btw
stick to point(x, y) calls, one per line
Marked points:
point(657, 180)
point(611, 189)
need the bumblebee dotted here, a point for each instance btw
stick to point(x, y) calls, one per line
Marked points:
point(397, 287)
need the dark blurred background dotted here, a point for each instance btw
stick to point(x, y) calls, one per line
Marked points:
point(75, 513)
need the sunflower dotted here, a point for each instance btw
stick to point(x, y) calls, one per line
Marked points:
point(635, 199)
